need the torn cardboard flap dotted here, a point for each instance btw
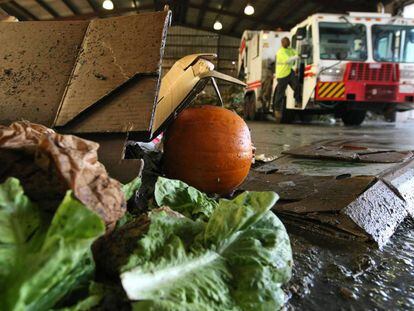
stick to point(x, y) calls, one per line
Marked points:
point(113, 52)
point(56, 73)
point(186, 78)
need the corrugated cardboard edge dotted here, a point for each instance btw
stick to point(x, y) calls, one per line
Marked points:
point(223, 77)
point(163, 42)
point(156, 73)
point(186, 102)
point(71, 75)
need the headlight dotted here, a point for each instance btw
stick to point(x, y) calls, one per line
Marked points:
point(407, 74)
point(331, 74)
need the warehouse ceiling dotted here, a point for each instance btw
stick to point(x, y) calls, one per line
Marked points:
point(200, 14)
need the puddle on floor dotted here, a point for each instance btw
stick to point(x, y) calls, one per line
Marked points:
point(332, 274)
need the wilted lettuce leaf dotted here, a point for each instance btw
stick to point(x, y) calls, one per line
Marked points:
point(124, 219)
point(237, 259)
point(42, 258)
point(130, 188)
point(184, 199)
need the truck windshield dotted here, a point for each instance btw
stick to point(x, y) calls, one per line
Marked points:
point(393, 43)
point(343, 41)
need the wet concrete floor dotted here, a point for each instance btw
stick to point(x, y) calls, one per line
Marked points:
point(271, 138)
point(332, 274)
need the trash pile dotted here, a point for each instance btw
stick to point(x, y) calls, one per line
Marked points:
point(73, 238)
point(78, 248)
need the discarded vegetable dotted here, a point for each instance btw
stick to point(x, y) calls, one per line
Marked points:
point(48, 164)
point(237, 259)
point(209, 148)
point(43, 258)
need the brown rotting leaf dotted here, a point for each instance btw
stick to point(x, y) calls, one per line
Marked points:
point(71, 162)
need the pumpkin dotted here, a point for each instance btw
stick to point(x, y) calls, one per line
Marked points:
point(209, 148)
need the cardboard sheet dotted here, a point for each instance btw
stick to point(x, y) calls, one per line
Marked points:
point(36, 62)
point(58, 73)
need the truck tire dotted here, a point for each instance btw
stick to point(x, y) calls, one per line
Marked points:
point(249, 107)
point(353, 117)
point(305, 117)
point(390, 116)
point(282, 114)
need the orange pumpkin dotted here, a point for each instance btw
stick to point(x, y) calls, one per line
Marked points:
point(209, 148)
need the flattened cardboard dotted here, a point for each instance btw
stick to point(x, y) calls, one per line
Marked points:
point(36, 62)
point(125, 47)
point(128, 109)
point(111, 154)
point(83, 77)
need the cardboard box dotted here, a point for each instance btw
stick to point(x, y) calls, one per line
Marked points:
point(99, 79)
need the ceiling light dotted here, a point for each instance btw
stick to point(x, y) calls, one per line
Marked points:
point(217, 25)
point(249, 9)
point(108, 5)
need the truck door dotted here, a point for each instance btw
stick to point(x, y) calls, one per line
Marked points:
point(305, 70)
point(309, 73)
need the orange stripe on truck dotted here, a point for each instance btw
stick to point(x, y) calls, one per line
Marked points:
point(331, 90)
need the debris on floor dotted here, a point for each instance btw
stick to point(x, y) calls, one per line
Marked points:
point(263, 158)
point(347, 151)
point(341, 188)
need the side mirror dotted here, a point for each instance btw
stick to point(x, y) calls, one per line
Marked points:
point(305, 51)
point(301, 33)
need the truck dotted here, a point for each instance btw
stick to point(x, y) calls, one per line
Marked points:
point(256, 65)
point(350, 64)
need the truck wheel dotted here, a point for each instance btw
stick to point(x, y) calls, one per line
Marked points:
point(390, 115)
point(282, 114)
point(305, 117)
point(249, 107)
point(353, 117)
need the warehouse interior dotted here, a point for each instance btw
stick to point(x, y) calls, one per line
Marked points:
point(206, 155)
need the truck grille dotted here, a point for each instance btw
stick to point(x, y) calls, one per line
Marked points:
point(373, 72)
point(380, 92)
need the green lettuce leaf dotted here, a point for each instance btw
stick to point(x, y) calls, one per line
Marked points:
point(96, 293)
point(130, 188)
point(42, 257)
point(184, 199)
point(237, 259)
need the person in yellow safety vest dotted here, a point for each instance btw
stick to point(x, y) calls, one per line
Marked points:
point(285, 59)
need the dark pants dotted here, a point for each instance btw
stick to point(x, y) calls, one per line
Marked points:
point(282, 84)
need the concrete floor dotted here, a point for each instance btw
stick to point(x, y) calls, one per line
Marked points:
point(271, 138)
point(338, 274)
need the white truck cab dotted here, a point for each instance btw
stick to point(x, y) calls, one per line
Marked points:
point(352, 63)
